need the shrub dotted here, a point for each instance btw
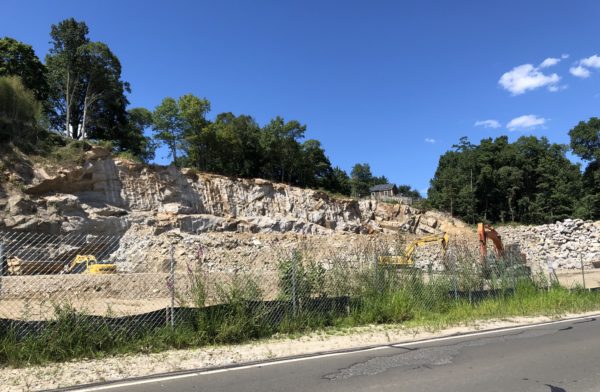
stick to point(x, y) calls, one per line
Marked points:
point(20, 112)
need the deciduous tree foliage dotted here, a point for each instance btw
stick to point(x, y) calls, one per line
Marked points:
point(238, 146)
point(133, 138)
point(585, 142)
point(19, 59)
point(87, 95)
point(362, 179)
point(529, 181)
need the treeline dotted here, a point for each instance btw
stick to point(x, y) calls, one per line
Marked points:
point(528, 181)
point(78, 92)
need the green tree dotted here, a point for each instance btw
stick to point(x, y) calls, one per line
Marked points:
point(408, 191)
point(133, 138)
point(280, 144)
point(19, 59)
point(103, 103)
point(585, 143)
point(338, 181)
point(585, 139)
point(192, 111)
point(87, 95)
point(64, 75)
point(168, 126)
point(315, 166)
point(361, 179)
point(530, 181)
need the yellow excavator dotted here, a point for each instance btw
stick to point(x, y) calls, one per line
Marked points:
point(406, 259)
point(87, 264)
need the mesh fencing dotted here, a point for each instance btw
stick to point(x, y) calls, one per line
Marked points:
point(50, 280)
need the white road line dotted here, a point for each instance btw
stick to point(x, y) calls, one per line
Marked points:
point(284, 361)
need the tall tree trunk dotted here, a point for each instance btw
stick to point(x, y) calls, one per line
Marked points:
point(68, 105)
point(174, 153)
point(85, 107)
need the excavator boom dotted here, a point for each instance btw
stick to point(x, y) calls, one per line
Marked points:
point(407, 258)
point(486, 232)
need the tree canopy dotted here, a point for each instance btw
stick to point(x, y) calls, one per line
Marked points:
point(585, 142)
point(19, 59)
point(530, 181)
point(87, 95)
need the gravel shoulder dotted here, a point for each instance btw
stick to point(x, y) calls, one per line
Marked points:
point(120, 367)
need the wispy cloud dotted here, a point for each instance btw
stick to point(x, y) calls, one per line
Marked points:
point(488, 123)
point(580, 72)
point(556, 88)
point(581, 69)
point(429, 140)
point(527, 77)
point(549, 62)
point(528, 121)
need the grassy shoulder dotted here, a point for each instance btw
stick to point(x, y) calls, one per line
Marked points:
point(71, 337)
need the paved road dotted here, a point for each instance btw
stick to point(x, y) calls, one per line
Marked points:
point(551, 358)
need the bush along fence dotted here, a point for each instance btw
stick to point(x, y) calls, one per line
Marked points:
point(69, 296)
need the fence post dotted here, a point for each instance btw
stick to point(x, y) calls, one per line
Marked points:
point(582, 270)
point(3, 263)
point(549, 265)
point(294, 257)
point(172, 273)
point(376, 272)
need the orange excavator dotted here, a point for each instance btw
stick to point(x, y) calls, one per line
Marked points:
point(486, 232)
point(511, 257)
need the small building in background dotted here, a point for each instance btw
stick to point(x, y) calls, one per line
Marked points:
point(389, 193)
point(383, 191)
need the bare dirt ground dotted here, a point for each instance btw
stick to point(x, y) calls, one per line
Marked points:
point(573, 278)
point(116, 368)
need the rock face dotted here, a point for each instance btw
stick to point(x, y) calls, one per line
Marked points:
point(107, 196)
point(565, 245)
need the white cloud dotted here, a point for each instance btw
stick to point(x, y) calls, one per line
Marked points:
point(591, 62)
point(556, 88)
point(528, 121)
point(526, 77)
point(581, 69)
point(549, 62)
point(487, 124)
point(580, 72)
point(429, 140)
point(564, 56)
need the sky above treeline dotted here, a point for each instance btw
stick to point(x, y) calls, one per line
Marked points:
point(394, 84)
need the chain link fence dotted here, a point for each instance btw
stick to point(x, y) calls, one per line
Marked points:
point(80, 281)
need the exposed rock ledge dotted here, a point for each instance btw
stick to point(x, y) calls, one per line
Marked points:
point(107, 195)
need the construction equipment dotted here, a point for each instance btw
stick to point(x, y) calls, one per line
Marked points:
point(89, 265)
point(407, 258)
point(485, 232)
point(504, 260)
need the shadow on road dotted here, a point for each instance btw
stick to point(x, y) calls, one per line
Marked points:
point(555, 389)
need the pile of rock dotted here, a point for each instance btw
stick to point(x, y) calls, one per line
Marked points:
point(565, 245)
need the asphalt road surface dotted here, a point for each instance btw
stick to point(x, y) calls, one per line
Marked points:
point(556, 357)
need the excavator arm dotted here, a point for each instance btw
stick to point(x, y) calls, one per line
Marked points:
point(485, 233)
point(407, 258)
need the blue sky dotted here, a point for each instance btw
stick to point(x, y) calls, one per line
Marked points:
point(390, 83)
